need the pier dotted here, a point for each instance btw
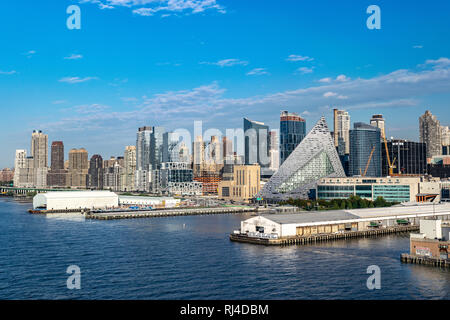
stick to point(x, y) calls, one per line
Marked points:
point(430, 261)
point(167, 213)
point(302, 240)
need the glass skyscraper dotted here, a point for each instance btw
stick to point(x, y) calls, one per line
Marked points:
point(257, 143)
point(156, 150)
point(410, 157)
point(292, 132)
point(365, 150)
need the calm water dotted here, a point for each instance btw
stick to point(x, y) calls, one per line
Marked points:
point(192, 258)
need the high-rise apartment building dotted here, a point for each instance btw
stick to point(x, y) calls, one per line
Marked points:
point(143, 159)
point(39, 152)
point(292, 132)
point(95, 173)
point(431, 134)
point(378, 121)
point(57, 176)
point(21, 169)
point(342, 129)
point(365, 150)
point(39, 149)
point(129, 172)
point(78, 168)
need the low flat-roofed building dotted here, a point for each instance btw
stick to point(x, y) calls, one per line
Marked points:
point(319, 222)
point(72, 200)
point(392, 189)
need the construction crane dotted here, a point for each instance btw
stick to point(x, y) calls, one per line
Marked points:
point(390, 164)
point(368, 163)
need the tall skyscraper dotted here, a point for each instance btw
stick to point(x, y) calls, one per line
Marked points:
point(57, 176)
point(78, 168)
point(430, 133)
point(129, 172)
point(95, 173)
point(39, 149)
point(365, 150)
point(39, 152)
point(257, 142)
point(156, 147)
point(378, 121)
point(143, 162)
point(57, 155)
point(292, 132)
point(342, 128)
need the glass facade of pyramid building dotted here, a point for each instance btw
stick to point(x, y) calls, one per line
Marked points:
point(314, 158)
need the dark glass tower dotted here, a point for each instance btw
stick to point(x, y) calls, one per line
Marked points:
point(292, 132)
point(95, 173)
point(365, 148)
point(410, 157)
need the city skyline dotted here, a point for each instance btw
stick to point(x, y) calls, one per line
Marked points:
point(98, 84)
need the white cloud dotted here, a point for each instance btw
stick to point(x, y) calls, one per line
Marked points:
point(329, 94)
point(73, 56)
point(8, 72)
point(325, 80)
point(305, 70)
point(257, 72)
point(227, 63)
point(295, 57)
point(76, 79)
point(172, 109)
point(418, 47)
point(342, 78)
point(30, 53)
point(441, 62)
point(164, 7)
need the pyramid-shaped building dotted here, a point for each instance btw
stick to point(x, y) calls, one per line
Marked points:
point(314, 158)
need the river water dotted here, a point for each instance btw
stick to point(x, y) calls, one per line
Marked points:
point(192, 258)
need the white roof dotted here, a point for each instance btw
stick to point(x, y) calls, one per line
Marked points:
point(320, 217)
point(77, 194)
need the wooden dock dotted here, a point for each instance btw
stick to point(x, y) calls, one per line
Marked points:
point(302, 240)
point(168, 213)
point(429, 261)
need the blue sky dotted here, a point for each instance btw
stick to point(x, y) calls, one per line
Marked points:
point(170, 62)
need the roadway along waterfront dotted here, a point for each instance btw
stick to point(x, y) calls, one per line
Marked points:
point(192, 257)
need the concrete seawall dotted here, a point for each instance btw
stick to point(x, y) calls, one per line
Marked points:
point(301, 240)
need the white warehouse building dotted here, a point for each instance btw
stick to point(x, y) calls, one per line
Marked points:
point(73, 200)
point(335, 221)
